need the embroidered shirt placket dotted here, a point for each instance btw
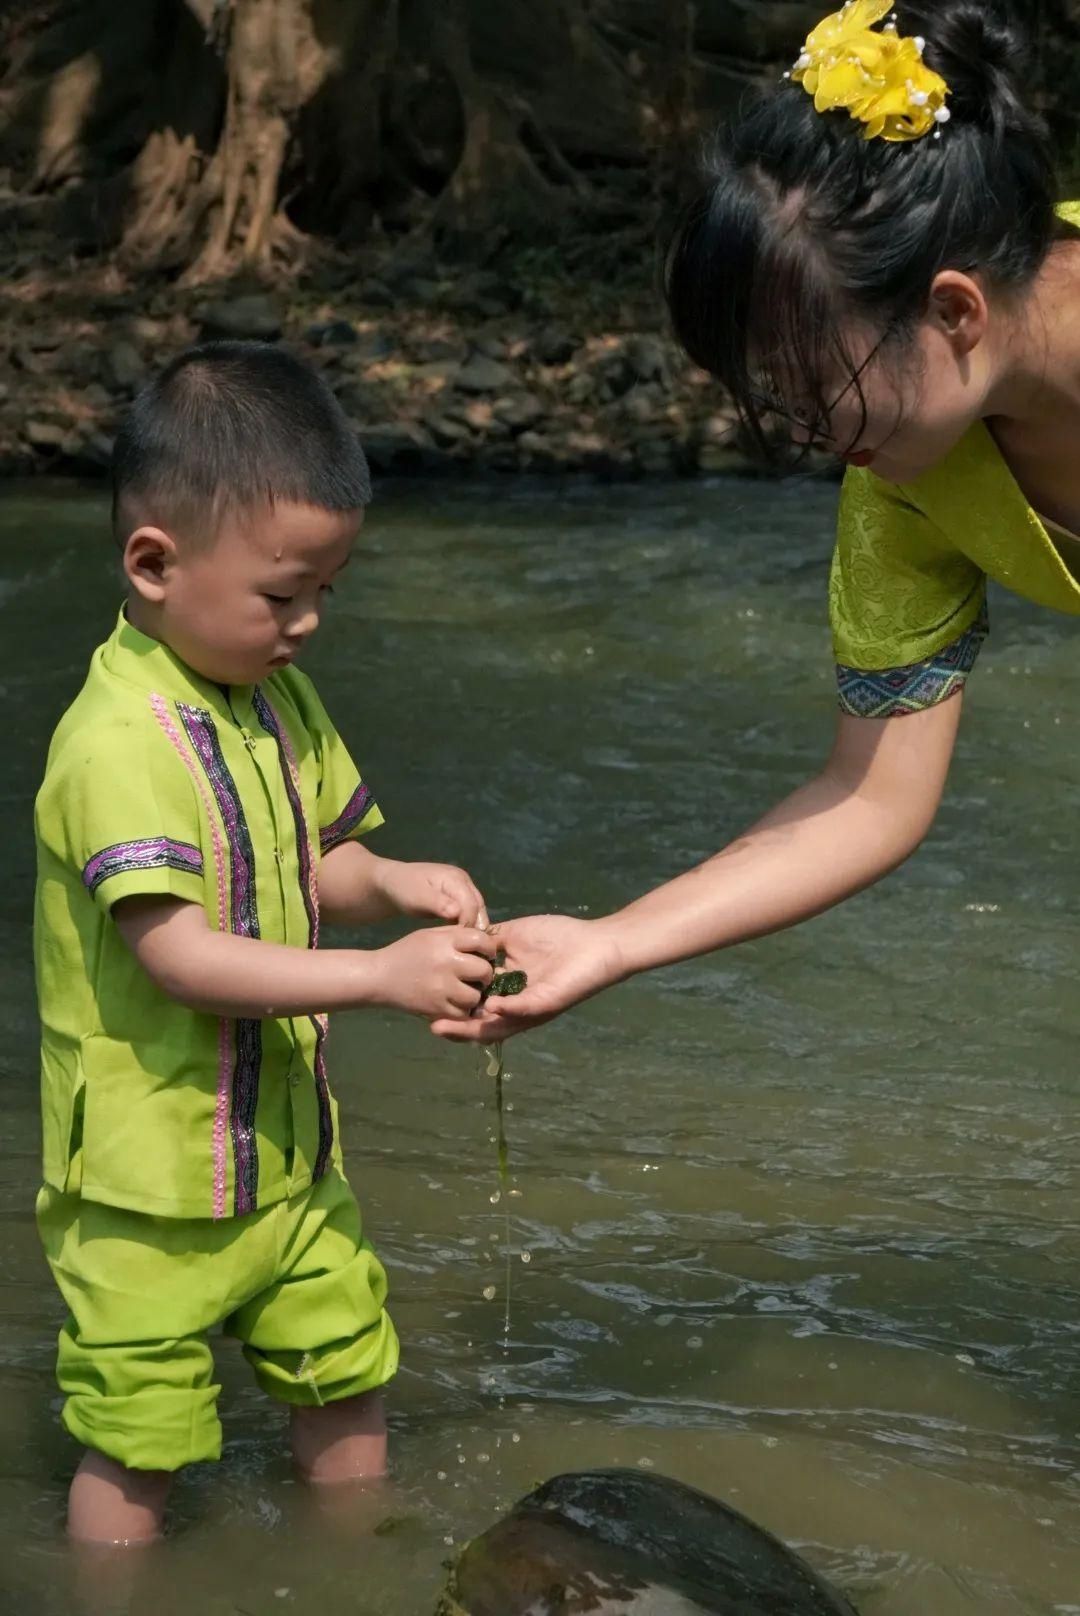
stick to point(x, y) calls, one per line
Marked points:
point(268, 781)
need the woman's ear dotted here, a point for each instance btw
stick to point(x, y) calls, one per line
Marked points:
point(150, 557)
point(958, 309)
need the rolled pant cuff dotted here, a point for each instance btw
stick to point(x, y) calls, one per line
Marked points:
point(310, 1379)
point(155, 1429)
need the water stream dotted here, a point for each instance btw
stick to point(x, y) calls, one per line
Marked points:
point(802, 1218)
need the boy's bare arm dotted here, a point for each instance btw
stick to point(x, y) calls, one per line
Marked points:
point(431, 973)
point(357, 887)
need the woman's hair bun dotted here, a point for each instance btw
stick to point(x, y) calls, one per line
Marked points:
point(982, 54)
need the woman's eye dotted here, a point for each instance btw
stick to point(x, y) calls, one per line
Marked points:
point(280, 600)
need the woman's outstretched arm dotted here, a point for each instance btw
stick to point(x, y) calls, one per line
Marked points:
point(865, 813)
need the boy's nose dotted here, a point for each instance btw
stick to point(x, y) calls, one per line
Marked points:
point(304, 623)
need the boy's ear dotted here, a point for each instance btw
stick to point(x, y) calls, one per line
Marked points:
point(150, 557)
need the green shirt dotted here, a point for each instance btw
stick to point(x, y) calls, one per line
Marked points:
point(160, 782)
point(908, 584)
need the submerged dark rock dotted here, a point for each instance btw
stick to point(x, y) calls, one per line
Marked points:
point(619, 1541)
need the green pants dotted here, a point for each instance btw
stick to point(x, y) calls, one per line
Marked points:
point(297, 1283)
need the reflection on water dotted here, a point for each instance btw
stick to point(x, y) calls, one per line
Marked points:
point(803, 1218)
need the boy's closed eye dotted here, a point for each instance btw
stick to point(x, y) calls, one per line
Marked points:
point(287, 600)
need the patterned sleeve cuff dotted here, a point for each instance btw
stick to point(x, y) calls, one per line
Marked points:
point(359, 814)
point(895, 692)
point(154, 853)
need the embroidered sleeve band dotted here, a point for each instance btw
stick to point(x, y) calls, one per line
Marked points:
point(355, 810)
point(156, 853)
point(895, 692)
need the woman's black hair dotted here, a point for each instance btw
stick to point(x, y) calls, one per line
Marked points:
point(803, 223)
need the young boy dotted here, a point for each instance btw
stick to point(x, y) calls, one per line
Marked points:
point(199, 815)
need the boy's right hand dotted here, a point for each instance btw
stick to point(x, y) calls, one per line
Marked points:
point(437, 973)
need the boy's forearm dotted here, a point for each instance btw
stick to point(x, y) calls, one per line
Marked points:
point(243, 976)
point(350, 889)
point(225, 975)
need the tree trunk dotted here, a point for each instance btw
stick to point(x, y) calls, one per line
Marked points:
point(205, 135)
point(341, 136)
point(510, 174)
point(273, 64)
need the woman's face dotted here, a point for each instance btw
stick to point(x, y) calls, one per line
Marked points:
point(920, 389)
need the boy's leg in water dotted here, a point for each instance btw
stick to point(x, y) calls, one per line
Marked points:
point(108, 1503)
point(132, 1358)
point(343, 1441)
point(320, 1338)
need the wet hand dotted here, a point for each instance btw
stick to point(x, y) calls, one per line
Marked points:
point(440, 973)
point(435, 891)
point(566, 960)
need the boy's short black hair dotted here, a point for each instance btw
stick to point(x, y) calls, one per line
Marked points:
point(234, 426)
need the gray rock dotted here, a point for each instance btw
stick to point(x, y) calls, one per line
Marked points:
point(371, 346)
point(589, 451)
point(648, 358)
point(124, 367)
point(519, 411)
point(479, 414)
point(45, 435)
point(358, 402)
point(580, 387)
point(254, 317)
point(440, 371)
point(143, 328)
point(331, 334)
point(479, 374)
point(447, 431)
point(535, 445)
point(96, 396)
point(555, 347)
point(617, 377)
point(396, 445)
point(641, 405)
point(35, 362)
point(617, 1541)
point(431, 350)
point(83, 365)
point(45, 340)
point(97, 448)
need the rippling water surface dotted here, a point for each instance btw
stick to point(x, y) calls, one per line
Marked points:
point(802, 1218)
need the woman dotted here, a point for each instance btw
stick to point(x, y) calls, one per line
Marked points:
point(876, 262)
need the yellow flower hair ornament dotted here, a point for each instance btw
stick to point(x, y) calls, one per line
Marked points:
point(878, 78)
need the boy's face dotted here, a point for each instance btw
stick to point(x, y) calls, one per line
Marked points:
point(240, 608)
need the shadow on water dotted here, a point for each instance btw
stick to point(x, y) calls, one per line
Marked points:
point(802, 1218)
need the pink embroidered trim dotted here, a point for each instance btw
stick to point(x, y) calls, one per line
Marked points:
point(221, 1112)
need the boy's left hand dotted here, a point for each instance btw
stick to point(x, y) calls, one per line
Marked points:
point(437, 891)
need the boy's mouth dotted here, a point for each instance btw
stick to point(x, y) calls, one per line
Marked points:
point(861, 457)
